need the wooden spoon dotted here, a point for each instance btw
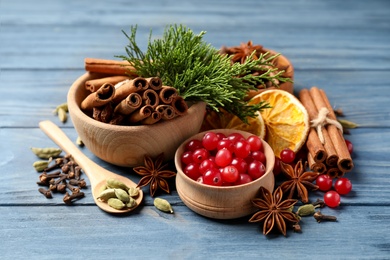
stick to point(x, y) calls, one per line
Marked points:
point(97, 175)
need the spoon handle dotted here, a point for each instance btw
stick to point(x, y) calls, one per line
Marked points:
point(60, 138)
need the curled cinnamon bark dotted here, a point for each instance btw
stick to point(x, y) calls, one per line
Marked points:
point(167, 94)
point(167, 112)
point(94, 84)
point(179, 105)
point(109, 66)
point(140, 114)
point(315, 166)
point(151, 98)
point(135, 85)
point(155, 83)
point(313, 143)
point(103, 96)
point(152, 119)
point(129, 104)
point(344, 163)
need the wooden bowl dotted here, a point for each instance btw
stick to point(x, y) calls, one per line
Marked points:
point(226, 202)
point(282, 63)
point(127, 145)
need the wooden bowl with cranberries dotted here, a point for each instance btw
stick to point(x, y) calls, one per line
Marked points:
point(220, 171)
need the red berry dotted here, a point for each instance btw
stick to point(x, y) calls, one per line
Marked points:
point(349, 146)
point(210, 141)
point(234, 137)
point(242, 149)
point(343, 186)
point(225, 143)
point(255, 143)
point(212, 177)
point(240, 164)
point(287, 155)
point(243, 179)
point(223, 157)
point(324, 182)
point(256, 169)
point(259, 156)
point(192, 171)
point(186, 157)
point(332, 199)
point(199, 155)
point(192, 145)
point(229, 174)
point(220, 136)
point(206, 165)
point(277, 169)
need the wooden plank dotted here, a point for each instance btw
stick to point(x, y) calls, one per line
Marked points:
point(330, 38)
point(87, 232)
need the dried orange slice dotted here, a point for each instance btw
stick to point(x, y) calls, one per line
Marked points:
point(255, 125)
point(286, 122)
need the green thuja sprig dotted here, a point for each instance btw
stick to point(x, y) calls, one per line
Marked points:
point(183, 60)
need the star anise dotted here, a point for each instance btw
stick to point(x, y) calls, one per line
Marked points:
point(298, 181)
point(274, 211)
point(242, 52)
point(154, 174)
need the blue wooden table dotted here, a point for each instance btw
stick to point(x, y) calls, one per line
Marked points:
point(342, 47)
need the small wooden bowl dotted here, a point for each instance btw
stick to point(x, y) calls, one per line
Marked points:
point(127, 145)
point(282, 63)
point(226, 202)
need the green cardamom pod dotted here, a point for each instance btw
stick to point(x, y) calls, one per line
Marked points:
point(116, 203)
point(306, 210)
point(107, 194)
point(347, 123)
point(63, 106)
point(46, 153)
point(79, 142)
point(132, 203)
point(163, 205)
point(122, 195)
point(62, 115)
point(116, 184)
point(133, 191)
point(40, 165)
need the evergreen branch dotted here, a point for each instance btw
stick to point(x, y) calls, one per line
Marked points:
point(199, 73)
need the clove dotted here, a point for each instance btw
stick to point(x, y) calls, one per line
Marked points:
point(45, 192)
point(69, 198)
point(320, 217)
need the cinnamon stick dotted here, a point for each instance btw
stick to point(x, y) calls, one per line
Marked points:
point(344, 162)
point(167, 112)
point(102, 96)
point(112, 67)
point(315, 166)
point(129, 104)
point(167, 94)
point(134, 85)
point(333, 172)
point(151, 98)
point(313, 143)
point(179, 105)
point(152, 119)
point(155, 83)
point(140, 114)
point(94, 84)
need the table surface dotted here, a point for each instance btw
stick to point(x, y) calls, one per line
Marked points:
point(342, 47)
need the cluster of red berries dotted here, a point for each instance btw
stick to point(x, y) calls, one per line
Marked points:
point(221, 160)
point(341, 186)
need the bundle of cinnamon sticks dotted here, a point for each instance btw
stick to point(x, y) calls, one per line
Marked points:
point(121, 99)
point(327, 150)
